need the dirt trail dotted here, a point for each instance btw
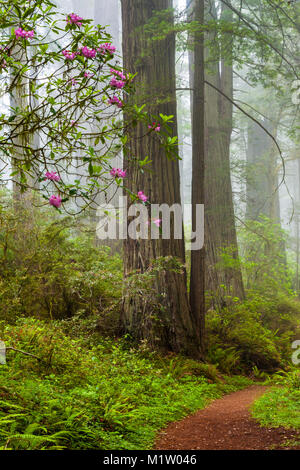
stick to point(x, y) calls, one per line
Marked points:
point(225, 424)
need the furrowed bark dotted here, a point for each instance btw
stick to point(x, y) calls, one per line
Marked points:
point(171, 326)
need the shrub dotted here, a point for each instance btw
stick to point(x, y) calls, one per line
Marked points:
point(263, 257)
point(255, 333)
point(50, 269)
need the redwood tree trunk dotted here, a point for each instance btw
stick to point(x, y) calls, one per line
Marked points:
point(165, 320)
point(222, 279)
point(262, 175)
point(197, 280)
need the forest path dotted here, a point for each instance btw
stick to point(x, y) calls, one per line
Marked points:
point(225, 424)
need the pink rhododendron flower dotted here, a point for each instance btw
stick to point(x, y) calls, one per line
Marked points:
point(142, 196)
point(88, 74)
point(117, 172)
point(52, 175)
point(116, 100)
point(89, 53)
point(117, 83)
point(55, 201)
point(72, 18)
point(157, 222)
point(21, 33)
point(119, 74)
point(106, 48)
point(69, 55)
point(155, 127)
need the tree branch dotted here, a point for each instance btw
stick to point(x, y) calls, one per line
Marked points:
point(23, 352)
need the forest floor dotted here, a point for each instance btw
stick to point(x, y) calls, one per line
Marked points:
point(226, 424)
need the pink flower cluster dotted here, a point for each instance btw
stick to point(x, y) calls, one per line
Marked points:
point(21, 33)
point(118, 173)
point(52, 175)
point(69, 55)
point(115, 100)
point(117, 83)
point(72, 18)
point(119, 74)
point(155, 127)
point(157, 222)
point(107, 48)
point(55, 201)
point(89, 53)
point(142, 196)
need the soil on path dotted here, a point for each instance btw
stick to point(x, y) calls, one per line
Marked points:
point(226, 424)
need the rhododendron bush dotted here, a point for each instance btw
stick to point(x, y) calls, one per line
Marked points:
point(67, 93)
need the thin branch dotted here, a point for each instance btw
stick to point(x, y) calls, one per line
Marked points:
point(267, 132)
point(23, 352)
point(262, 127)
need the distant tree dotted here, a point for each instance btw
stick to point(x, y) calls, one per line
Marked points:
point(262, 172)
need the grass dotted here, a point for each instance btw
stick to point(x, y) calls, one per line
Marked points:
point(279, 407)
point(108, 396)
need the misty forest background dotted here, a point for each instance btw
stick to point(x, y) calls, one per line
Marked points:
point(108, 341)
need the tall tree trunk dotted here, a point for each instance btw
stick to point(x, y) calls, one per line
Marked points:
point(109, 14)
point(262, 170)
point(197, 279)
point(22, 139)
point(262, 178)
point(170, 325)
point(222, 279)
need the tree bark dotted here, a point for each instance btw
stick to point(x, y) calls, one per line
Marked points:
point(169, 325)
point(262, 173)
point(197, 277)
point(221, 279)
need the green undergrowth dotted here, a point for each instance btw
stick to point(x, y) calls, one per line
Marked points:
point(281, 405)
point(108, 396)
point(254, 335)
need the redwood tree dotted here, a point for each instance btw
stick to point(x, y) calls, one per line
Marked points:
point(221, 279)
point(197, 280)
point(262, 171)
point(161, 315)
